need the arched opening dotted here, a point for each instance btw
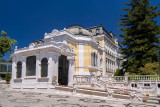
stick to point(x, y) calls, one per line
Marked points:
point(31, 66)
point(19, 69)
point(63, 67)
point(44, 67)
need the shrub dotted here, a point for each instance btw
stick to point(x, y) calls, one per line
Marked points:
point(3, 76)
point(8, 77)
point(119, 72)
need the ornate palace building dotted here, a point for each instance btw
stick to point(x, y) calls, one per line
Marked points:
point(63, 54)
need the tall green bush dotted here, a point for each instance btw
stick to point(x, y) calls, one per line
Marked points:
point(119, 72)
point(8, 77)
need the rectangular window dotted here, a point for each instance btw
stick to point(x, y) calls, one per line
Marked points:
point(3, 68)
point(146, 85)
point(94, 58)
point(134, 85)
point(31, 66)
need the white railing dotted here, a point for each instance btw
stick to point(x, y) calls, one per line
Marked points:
point(82, 79)
point(118, 78)
point(144, 77)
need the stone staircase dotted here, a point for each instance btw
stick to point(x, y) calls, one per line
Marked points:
point(98, 83)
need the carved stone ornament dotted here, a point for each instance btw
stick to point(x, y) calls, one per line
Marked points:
point(54, 80)
point(31, 46)
point(55, 32)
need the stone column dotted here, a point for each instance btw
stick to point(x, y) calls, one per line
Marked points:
point(38, 66)
point(14, 70)
point(71, 70)
point(53, 66)
point(23, 68)
point(99, 65)
point(50, 68)
point(104, 63)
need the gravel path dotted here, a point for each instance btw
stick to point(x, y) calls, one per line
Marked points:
point(10, 98)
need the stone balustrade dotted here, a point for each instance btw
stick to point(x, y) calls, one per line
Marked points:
point(144, 77)
point(143, 83)
point(118, 78)
point(82, 79)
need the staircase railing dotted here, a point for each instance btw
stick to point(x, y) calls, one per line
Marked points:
point(82, 79)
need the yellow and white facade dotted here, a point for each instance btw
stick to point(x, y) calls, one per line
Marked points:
point(63, 54)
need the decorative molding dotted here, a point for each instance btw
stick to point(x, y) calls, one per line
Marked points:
point(70, 58)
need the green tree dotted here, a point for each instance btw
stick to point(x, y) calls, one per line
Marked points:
point(150, 69)
point(6, 44)
point(139, 36)
point(119, 72)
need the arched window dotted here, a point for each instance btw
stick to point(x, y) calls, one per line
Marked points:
point(31, 66)
point(19, 69)
point(44, 67)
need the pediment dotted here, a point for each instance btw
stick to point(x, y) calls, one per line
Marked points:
point(64, 47)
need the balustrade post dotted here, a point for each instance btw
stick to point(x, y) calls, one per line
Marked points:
point(126, 77)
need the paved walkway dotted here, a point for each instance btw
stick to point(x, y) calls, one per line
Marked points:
point(10, 98)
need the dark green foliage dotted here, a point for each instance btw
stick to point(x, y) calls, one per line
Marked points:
point(139, 36)
point(5, 60)
point(3, 76)
point(119, 72)
point(8, 77)
point(5, 44)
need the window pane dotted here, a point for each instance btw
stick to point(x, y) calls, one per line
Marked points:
point(31, 66)
point(44, 67)
point(9, 68)
point(3, 68)
point(19, 69)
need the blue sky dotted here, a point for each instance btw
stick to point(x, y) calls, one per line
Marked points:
point(28, 20)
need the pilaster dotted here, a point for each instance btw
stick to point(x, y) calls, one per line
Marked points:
point(71, 70)
point(14, 70)
point(23, 67)
point(104, 59)
point(38, 66)
point(53, 66)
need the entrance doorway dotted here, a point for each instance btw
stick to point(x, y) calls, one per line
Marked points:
point(63, 67)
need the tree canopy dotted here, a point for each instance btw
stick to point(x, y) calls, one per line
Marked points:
point(150, 69)
point(140, 35)
point(6, 44)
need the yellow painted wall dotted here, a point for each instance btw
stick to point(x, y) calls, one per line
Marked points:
point(87, 56)
point(76, 52)
point(100, 42)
